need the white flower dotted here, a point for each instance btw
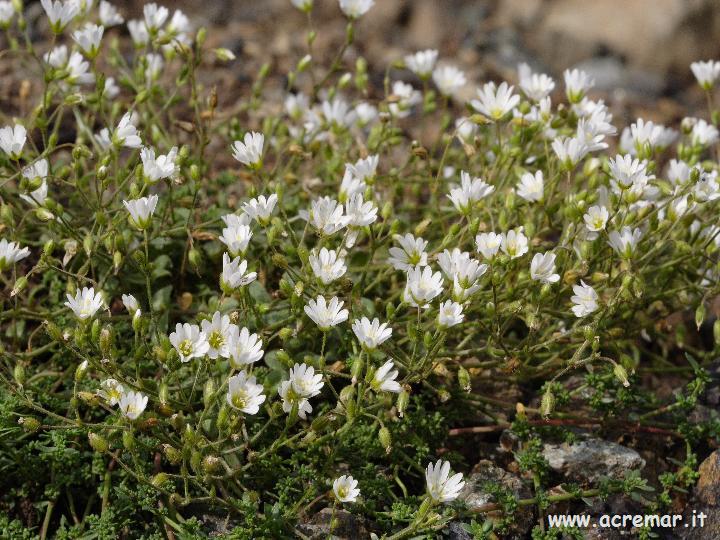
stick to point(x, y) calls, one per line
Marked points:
point(406, 98)
point(585, 299)
point(326, 215)
point(109, 15)
point(411, 252)
point(422, 286)
point(305, 382)
point(531, 186)
point(77, 68)
point(495, 101)
point(441, 486)
point(261, 209)
point(111, 90)
point(465, 129)
point(536, 86)
point(155, 16)
point(132, 404)
point(627, 171)
point(85, 303)
point(678, 172)
point(360, 213)
point(470, 191)
point(326, 314)
point(249, 150)
point(189, 341)
point(452, 261)
point(542, 268)
point(706, 73)
point(365, 113)
point(234, 274)
point(449, 80)
point(488, 244)
point(384, 378)
point(111, 391)
point(514, 244)
point(177, 29)
point(138, 32)
point(141, 210)
point(646, 133)
point(10, 253)
point(290, 398)
point(217, 330)
point(355, 8)
point(596, 218)
point(707, 188)
point(236, 239)
point(337, 112)
point(132, 305)
point(345, 489)
point(364, 169)
point(235, 220)
point(450, 314)
point(6, 13)
point(157, 168)
point(577, 83)
point(245, 348)
point(60, 13)
point(327, 265)
point(704, 134)
point(350, 185)
point(154, 64)
point(88, 38)
point(569, 150)
point(371, 334)
point(296, 105)
point(39, 169)
point(302, 5)
point(57, 57)
point(126, 133)
point(422, 63)
point(244, 393)
point(625, 241)
point(12, 140)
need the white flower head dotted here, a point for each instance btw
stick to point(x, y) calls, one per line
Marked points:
point(7, 11)
point(514, 243)
point(234, 274)
point(531, 186)
point(78, 73)
point(303, 5)
point(365, 113)
point(38, 170)
point(354, 9)
point(261, 208)
point(542, 268)
point(249, 150)
point(707, 187)
point(423, 285)
point(470, 191)
point(245, 348)
point(371, 334)
point(345, 489)
point(138, 32)
point(111, 391)
point(236, 238)
point(85, 303)
point(132, 404)
point(569, 150)
point(88, 38)
point(189, 341)
point(707, 73)
point(109, 15)
point(625, 241)
point(577, 83)
point(585, 299)
point(305, 382)
point(60, 12)
point(327, 265)
point(244, 394)
point(406, 97)
point(154, 64)
point(160, 167)
point(326, 314)
point(704, 134)
point(326, 215)
point(141, 210)
point(442, 487)
point(494, 101)
point(596, 218)
point(465, 129)
point(132, 305)
point(12, 140)
point(536, 86)
point(411, 252)
point(449, 80)
point(384, 378)
point(126, 134)
point(155, 16)
point(488, 244)
point(450, 314)
point(628, 172)
point(422, 63)
point(111, 90)
point(360, 213)
point(217, 331)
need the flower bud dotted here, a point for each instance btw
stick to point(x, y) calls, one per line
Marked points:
point(81, 370)
point(357, 367)
point(547, 403)
point(54, 331)
point(402, 402)
point(29, 423)
point(211, 464)
point(385, 439)
point(98, 442)
point(464, 379)
point(621, 374)
point(173, 455)
point(700, 315)
point(128, 440)
point(160, 480)
point(19, 374)
point(208, 391)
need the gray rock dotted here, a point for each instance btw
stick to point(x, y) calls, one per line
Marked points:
point(591, 459)
point(706, 499)
point(475, 495)
point(349, 526)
